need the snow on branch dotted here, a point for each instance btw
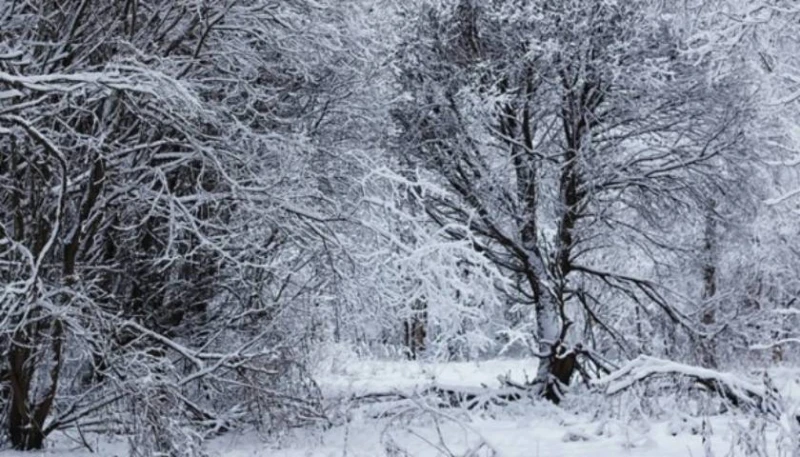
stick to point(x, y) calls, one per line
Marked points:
point(775, 343)
point(128, 78)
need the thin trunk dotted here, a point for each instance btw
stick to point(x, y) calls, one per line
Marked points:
point(708, 356)
point(416, 329)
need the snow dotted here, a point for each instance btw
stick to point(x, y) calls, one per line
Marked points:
point(69, 445)
point(550, 436)
point(523, 429)
point(508, 438)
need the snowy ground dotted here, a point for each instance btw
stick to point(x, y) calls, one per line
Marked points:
point(530, 437)
point(519, 430)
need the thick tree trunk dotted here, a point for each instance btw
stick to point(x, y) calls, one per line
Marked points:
point(26, 436)
point(554, 370)
point(557, 365)
point(23, 432)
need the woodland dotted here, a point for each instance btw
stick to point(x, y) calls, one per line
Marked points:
point(201, 200)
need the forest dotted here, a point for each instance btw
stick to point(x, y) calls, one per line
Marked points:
point(420, 228)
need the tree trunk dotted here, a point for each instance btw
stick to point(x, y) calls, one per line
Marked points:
point(415, 332)
point(26, 436)
point(24, 433)
point(556, 365)
point(553, 371)
point(27, 416)
point(707, 351)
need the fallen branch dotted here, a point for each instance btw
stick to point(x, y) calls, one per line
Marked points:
point(738, 391)
point(471, 398)
point(450, 396)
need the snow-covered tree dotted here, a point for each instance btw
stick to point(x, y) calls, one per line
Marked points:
point(567, 135)
point(161, 220)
